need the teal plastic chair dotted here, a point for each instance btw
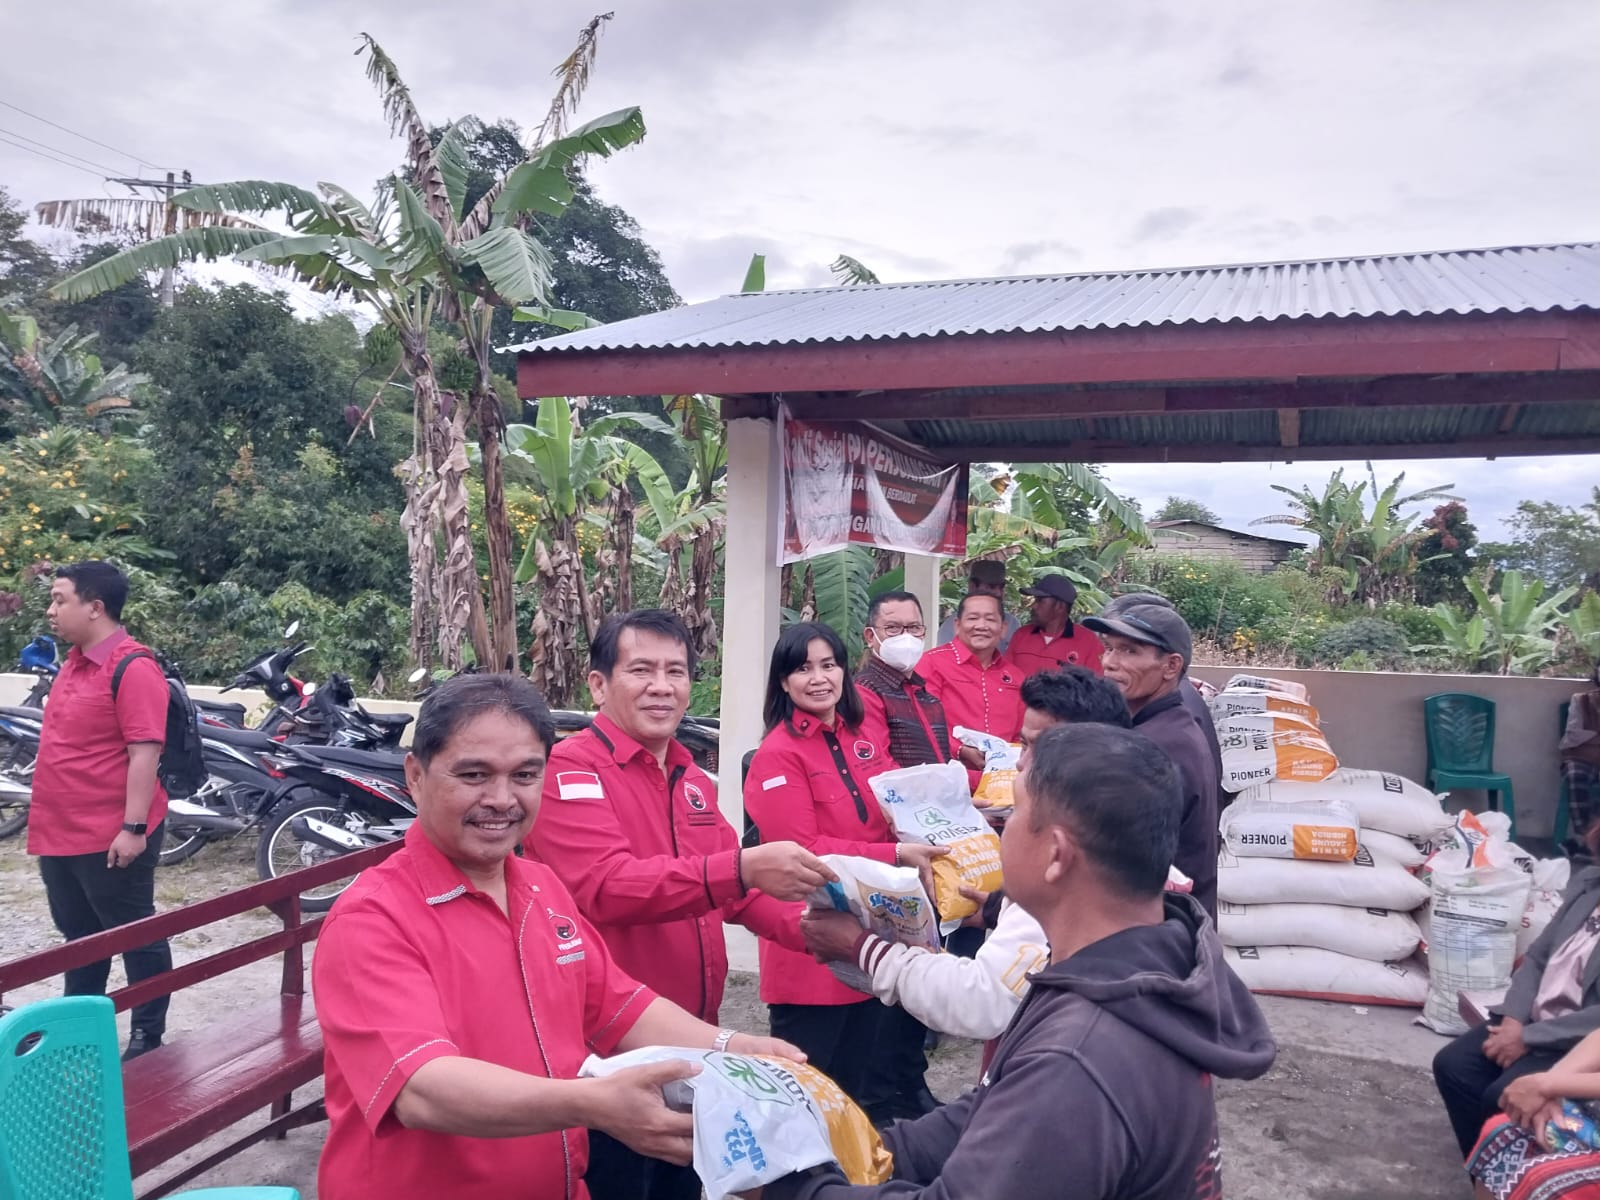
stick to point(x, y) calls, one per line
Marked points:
point(62, 1135)
point(1459, 728)
point(1564, 799)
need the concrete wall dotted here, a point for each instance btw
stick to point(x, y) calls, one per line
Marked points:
point(1374, 720)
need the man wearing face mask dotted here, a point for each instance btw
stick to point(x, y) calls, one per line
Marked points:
point(902, 717)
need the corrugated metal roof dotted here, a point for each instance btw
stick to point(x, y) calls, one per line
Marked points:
point(1507, 279)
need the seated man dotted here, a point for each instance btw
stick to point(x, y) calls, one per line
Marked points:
point(973, 997)
point(459, 991)
point(1101, 1086)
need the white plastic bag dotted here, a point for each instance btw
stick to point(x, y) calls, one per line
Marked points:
point(1271, 828)
point(757, 1119)
point(1265, 683)
point(1364, 882)
point(1323, 975)
point(1371, 933)
point(1550, 879)
point(931, 804)
point(1262, 747)
point(1382, 800)
point(888, 901)
point(1480, 896)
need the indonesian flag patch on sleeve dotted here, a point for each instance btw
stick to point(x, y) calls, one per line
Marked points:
point(579, 785)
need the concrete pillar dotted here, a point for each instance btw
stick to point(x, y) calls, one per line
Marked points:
point(922, 581)
point(750, 599)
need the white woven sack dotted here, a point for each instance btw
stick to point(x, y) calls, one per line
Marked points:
point(1382, 800)
point(1371, 933)
point(1323, 975)
point(1272, 828)
point(1365, 882)
point(1285, 687)
point(1394, 848)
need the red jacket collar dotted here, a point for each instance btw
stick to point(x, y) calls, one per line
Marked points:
point(624, 749)
point(963, 655)
point(440, 879)
point(100, 653)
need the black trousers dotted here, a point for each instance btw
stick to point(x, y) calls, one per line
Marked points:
point(1470, 1084)
point(618, 1173)
point(88, 897)
point(873, 1052)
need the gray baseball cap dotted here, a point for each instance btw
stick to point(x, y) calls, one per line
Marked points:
point(1152, 624)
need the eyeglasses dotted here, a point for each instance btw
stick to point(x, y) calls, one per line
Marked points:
point(892, 630)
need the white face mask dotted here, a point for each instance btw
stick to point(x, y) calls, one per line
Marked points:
point(902, 652)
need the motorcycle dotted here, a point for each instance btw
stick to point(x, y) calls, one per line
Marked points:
point(349, 799)
point(20, 728)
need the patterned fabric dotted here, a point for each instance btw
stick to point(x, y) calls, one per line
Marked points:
point(1511, 1165)
point(1583, 794)
point(908, 733)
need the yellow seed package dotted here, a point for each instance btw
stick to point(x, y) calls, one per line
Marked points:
point(931, 804)
point(1000, 759)
point(757, 1118)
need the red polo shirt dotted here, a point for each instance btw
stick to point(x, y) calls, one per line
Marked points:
point(650, 859)
point(80, 785)
point(1033, 652)
point(413, 964)
point(809, 786)
point(988, 699)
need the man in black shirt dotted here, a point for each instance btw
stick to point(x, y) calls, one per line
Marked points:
point(1147, 655)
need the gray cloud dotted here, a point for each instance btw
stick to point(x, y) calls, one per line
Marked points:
point(1164, 224)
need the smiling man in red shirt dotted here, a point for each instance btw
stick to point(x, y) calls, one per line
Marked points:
point(979, 686)
point(631, 826)
point(95, 819)
point(459, 990)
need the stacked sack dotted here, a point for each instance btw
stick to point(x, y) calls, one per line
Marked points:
point(1315, 884)
point(1268, 730)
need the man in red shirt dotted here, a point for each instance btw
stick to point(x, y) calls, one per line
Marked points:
point(459, 990)
point(631, 826)
point(95, 819)
point(979, 686)
point(1051, 640)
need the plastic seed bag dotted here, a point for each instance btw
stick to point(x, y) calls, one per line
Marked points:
point(757, 1119)
point(931, 804)
point(888, 901)
point(1000, 759)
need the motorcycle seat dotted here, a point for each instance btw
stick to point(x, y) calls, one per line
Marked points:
point(21, 713)
point(386, 762)
point(222, 708)
point(245, 739)
point(388, 720)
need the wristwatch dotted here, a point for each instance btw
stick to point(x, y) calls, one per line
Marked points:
point(135, 827)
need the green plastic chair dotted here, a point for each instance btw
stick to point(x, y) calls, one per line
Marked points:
point(1564, 799)
point(62, 1135)
point(1459, 728)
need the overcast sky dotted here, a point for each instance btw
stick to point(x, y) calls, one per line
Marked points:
point(928, 139)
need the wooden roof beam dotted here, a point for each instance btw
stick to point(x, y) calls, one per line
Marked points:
point(1116, 452)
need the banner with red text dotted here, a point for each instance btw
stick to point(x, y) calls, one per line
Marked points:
point(845, 482)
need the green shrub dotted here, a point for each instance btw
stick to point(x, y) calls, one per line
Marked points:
point(1365, 643)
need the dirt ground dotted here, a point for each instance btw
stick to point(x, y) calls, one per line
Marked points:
point(1319, 1126)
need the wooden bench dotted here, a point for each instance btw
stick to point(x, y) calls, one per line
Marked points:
point(201, 1083)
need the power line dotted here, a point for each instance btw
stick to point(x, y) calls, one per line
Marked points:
point(104, 145)
point(52, 158)
point(57, 149)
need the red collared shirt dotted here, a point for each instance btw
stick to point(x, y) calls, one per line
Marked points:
point(80, 786)
point(1032, 652)
point(988, 699)
point(413, 964)
point(650, 859)
point(809, 786)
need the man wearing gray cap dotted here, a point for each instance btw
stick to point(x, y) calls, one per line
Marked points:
point(1192, 699)
point(1147, 653)
point(1051, 641)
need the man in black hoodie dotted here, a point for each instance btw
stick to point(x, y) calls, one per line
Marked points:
point(1101, 1086)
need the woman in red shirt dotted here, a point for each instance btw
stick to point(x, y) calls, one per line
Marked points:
point(808, 783)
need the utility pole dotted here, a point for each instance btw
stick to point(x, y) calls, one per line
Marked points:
point(169, 223)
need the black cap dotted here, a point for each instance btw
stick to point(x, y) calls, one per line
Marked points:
point(1056, 587)
point(1160, 627)
point(986, 570)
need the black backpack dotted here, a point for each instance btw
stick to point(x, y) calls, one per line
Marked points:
point(182, 769)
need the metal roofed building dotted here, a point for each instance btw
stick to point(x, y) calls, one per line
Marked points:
point(1490, 353)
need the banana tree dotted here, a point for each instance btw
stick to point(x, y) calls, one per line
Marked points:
point(691, 534)
point(59, 379)
point(579, 472)
point(1583, 626)
point(1520, 621)
point(1463, 640)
